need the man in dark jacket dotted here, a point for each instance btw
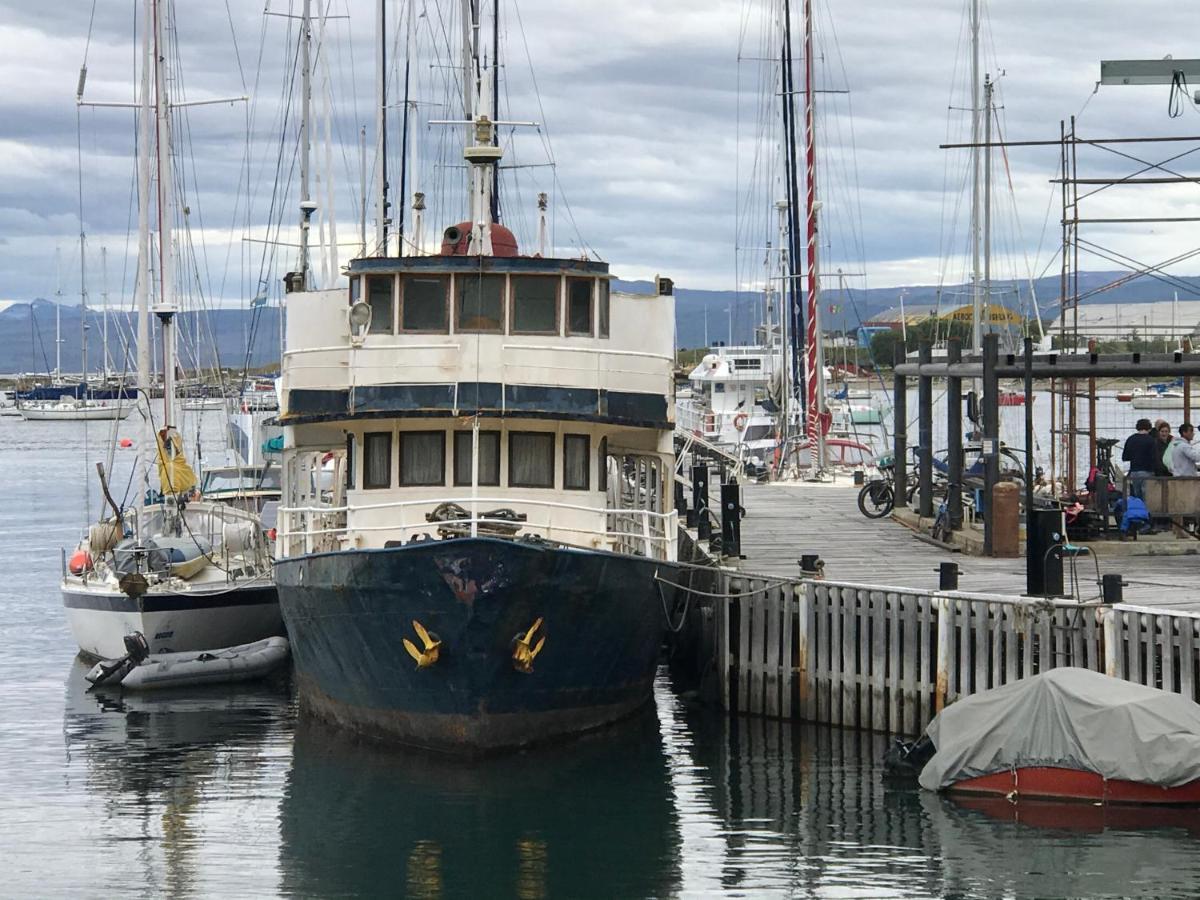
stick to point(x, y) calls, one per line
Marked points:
point(1141, 452)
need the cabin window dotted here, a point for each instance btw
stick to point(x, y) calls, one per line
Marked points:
point(377, 460)
point(579, 306)
point(602, 288)
point(489, 458)
point(423, 304)
point(355, 289)
point(531, 459)
point(576, 468)
point(602, 465)
point(380, 290)
point(480, 303)
point(350, 461)
point(746, 363)
point(422, 458)
point(535, 304)
point(718, 387)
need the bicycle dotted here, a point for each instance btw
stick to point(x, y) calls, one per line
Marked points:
point(877, 498)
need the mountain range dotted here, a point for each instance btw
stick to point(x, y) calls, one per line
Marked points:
point(702, 317)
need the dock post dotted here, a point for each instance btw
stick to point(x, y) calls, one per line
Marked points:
point(944, 651)
point(991, 432)
point(900, 427)
point(731, 518)
point(700, 501)
point(954, 453)
point(925, 432)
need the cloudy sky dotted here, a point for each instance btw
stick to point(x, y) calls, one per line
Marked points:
point(652, 122)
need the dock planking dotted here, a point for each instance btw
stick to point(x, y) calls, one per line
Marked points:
point(784, 521)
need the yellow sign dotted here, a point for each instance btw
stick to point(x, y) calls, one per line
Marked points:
point(993, 314)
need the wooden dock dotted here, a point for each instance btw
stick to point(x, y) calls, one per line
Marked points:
point(875, 645)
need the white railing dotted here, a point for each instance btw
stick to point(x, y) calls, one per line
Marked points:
point(696, 418)
point(319, 529)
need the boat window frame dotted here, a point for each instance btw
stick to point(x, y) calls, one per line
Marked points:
point(587, 466)
point(391, 327)
point(447, 290)
point(591, 282)
point(454, 454)
point(512, 304)
point(366, 456)
point(603, 308)
point(460, 278)
point(400, 482)
point(553, 474)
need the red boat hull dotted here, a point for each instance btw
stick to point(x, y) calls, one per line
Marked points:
point(1048, 783)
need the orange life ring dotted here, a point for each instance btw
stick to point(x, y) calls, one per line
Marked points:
point(739, 421)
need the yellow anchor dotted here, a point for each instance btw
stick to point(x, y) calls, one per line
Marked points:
point(429, 655)
point(524, 650)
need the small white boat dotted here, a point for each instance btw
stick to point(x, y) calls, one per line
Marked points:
point(244, 662)
point(70, 409)
point(196, 404)
point(1152, 399)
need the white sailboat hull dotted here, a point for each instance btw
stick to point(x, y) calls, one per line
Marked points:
point(75, 414)
point(172, 621)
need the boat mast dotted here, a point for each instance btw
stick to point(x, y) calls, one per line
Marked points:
point(976, 294)
point(408, 29)
point(145, 267)
point(165, 309)
point(381, 185)
point(57, 316)
point(815, 386)
point(306, 204)
point(104, 309)
point(987, 200)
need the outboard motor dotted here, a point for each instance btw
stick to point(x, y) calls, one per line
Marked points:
point(904, 760)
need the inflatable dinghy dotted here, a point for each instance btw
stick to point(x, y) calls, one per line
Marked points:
point(164, 670)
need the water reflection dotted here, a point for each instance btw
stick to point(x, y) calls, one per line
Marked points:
point(590, 818)
point(172, 768)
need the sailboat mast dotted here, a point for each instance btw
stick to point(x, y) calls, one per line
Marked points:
point(791, 285)
point(813, 331)
point(408, 30)
point(145, 267)
point(104, 310)
point(381, 185)
point(57, 315)
point(164, 310)
point(976, 294)
point(987, 200)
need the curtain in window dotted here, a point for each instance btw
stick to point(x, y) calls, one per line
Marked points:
point(422, 457)
point(489, 458)
point(531, 460)
point(377, 459)
point(575, 462)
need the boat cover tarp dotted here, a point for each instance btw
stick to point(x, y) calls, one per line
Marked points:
point(174, 473)
point(1068, 718)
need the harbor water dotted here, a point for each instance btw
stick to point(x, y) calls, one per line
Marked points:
point(228, 792)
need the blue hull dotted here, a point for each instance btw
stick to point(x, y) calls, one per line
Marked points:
point(348, 613)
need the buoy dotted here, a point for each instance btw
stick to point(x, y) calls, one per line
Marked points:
point(126, 443)
point(81, 561)
point(739, 421)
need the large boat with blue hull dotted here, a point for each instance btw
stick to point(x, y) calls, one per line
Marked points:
point(477, 543)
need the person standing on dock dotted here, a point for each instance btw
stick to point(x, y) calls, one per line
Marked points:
point(1185, 458)
point(1162, 438)
point(1141, 452)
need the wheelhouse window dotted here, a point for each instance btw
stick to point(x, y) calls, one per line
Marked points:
point(422, 458)
point(489, 458)
point(480, 302)
point(355, 289)
point(579, 306)
point(602, 291)
point(380, 297)
point(423, 305)
point(576, 469)
point(531, 459)
point(602, 465)
point(534, 304)
point(377, 460)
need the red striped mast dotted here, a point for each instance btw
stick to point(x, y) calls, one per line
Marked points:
point(813, 425)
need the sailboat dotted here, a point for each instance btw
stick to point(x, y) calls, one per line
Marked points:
point(477, 543)
point(185, 572)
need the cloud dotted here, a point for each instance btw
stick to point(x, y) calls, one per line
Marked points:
point(662, 117)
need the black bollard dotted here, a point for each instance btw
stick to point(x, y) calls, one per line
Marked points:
point(700, 502)
point(1111, 588)
point(731, 518)
point(948, 576)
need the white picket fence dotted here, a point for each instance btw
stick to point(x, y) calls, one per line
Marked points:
point(888, 659)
